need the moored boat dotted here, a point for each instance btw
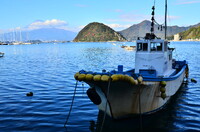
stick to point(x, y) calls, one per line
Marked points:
point(1, 54)
point(143, 90)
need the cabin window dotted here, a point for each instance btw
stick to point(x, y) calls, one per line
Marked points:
point(156, 46)
point(139, 46)
point(142, 47)
point(145, 46)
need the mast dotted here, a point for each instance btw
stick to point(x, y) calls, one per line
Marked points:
point(165, 19)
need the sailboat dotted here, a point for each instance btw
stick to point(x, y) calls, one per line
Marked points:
point(143, 90)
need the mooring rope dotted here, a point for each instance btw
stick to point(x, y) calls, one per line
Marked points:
point(140, 109)
point(106, 104)
point(71, 105)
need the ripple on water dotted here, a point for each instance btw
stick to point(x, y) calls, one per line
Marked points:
point(47, 70)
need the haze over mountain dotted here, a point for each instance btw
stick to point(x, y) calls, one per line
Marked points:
point(131, 33)
point(139, 30)
point(43, 34)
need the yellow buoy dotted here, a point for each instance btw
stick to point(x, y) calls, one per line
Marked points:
point(81, 77)
point(76, 75)
point(162, 89)
point(97, 78)
point(121, 77)
point(115, 77)
point(163, 95)
point(140, 79)
point(127, 78)
point(105, 78)
point(133, 81)
point(89, 77)
point(163, 83)
point(136, 82)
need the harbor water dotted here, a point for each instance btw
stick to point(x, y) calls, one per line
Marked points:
point(48, 71)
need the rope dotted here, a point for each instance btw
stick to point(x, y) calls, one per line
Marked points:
point(71, 105)
point(106, 105)
point(140, 110)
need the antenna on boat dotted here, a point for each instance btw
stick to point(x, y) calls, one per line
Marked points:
point(165, 19)
point(152, 20)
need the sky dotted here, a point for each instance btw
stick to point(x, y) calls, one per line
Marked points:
point(73, 15)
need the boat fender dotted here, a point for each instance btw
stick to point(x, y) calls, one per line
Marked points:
point(81, 77)
point(163, 95)
point(93, 96)
point(136, 82)
point(133, 81)
point(76, 75)
point(140, 79)
point(163, 83)
point(193, 80)
point(127, 78)
point(89, 77)
point(97, 78)
point(105, 78)
point(162, 89)
point(115, 77)
point(121, 77)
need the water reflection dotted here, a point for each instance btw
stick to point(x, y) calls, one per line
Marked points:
point(162, 121)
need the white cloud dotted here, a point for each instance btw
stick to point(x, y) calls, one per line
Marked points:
point(118, 25)
point(130, 18)
point(54, 23)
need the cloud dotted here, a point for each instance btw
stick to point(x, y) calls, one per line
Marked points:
point(130, 18)
point(118, 25)
point(183, 2)
point(137, 18)
point(54, 23)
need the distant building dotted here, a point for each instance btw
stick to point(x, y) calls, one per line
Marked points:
point(176, 37)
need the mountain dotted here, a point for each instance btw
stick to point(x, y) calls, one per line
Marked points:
point(44, 34)
point(52, 34)
point(98, 32)
point(139, 30)
point(192, 33)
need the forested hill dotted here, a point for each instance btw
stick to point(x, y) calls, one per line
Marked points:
point(192, 33)
point(98, 32)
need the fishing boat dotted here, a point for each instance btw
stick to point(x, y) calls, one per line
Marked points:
point(143, 90)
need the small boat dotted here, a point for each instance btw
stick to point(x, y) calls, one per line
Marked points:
point(143, 90)
point(1, 54)
point(128, 47)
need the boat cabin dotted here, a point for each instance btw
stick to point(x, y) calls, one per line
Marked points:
point(153, 58)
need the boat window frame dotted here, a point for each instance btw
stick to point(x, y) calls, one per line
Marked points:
point(142, 46)
point(156, 46)
point(165, 46)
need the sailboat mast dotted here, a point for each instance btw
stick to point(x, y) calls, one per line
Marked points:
point(165, 19)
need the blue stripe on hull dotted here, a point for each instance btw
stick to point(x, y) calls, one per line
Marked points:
point(170, 78)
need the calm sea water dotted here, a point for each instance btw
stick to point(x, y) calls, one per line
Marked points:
point(47, 70)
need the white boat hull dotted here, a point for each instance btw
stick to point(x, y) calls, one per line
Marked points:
point(125, 99)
